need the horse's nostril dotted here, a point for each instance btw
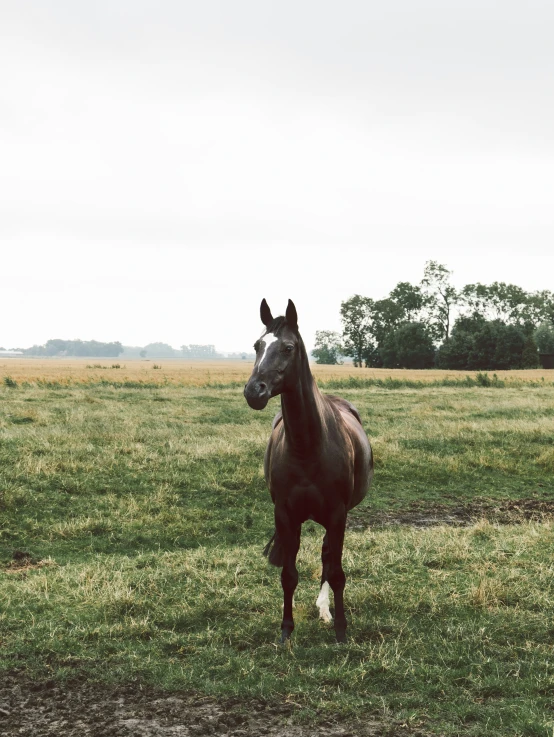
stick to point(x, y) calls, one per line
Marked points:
point(262, 386)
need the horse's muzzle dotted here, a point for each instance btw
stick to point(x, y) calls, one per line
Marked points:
point(257, 394)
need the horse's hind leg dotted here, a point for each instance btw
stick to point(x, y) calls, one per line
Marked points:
point(335, 576)
point(323, 598)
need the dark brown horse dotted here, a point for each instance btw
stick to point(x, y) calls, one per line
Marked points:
point(318, 463)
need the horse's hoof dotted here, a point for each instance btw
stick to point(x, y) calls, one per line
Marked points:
point(341, 638)
point(285, 637)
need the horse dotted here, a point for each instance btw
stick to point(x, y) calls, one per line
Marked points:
point(318, 462)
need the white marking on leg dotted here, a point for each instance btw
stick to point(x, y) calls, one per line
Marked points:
point(268, 340)
point(323, 603)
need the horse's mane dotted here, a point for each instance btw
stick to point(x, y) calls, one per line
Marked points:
point(276, 325)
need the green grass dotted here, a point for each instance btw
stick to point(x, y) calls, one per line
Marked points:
point(144, 511)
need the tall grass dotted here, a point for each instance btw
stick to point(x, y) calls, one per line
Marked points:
point(480, 379)
point(74, 371)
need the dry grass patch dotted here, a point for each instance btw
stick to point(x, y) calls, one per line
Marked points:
point(74, 371)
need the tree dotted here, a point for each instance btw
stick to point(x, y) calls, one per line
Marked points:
point(477, 344)
point(496, 301)
point(509, 303)
point(356, 317)
point(386, 316)
point(544, 337)
point(59, 347)
point(540, 308)
point(454, 353)
point(160, 350)
point(404, 304)
point(194, 350)
point(328, 347)
point(510, 342)
point(55, 347)
point(440, 298)
point(530, 355)
point(409, 346)
point(410, 299)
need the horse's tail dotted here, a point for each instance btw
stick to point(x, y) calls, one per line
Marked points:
point(274, 552)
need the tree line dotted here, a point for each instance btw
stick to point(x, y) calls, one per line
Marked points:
point(97, 349)
point(195, 351)
point(84, 348)
point(433, 324)
point(164, 350)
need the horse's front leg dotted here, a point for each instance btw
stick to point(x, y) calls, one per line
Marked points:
point(335, 573)
point(289, 534)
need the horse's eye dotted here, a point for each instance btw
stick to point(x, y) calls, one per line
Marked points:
point(289, 348)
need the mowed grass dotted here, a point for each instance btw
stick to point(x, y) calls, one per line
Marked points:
point(139, 516)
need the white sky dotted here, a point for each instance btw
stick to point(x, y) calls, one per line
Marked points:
point(165, 165)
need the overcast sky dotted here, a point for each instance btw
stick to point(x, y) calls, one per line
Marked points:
point(165, 165)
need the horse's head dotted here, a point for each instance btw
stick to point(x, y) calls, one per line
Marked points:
point(277, 355)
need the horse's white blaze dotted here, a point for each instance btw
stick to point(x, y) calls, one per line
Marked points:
point(268, 340)
point(323, 603)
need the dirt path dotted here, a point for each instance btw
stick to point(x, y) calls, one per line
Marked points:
point(48, 709)
point(505, 512)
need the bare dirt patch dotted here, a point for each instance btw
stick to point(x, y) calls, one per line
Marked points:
point(50, 709)
point(22, 562)
point(417, 514)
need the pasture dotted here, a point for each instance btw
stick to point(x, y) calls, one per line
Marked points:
point(133, 512)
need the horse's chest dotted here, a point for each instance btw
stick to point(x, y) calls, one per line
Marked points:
point(321, 474)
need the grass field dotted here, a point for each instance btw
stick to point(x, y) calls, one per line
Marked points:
point(132, 522)
point(90, 371)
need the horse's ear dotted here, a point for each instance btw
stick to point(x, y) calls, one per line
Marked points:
point(291, 316)
point(265, 314)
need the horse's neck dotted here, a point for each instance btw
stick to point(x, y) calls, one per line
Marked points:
point(303, 407)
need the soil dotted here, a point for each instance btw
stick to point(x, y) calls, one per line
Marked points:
point(417, 514)
point(50, 709)
point(23, 561)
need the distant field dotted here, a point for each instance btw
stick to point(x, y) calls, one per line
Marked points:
point(71, 371)
point(132, 522)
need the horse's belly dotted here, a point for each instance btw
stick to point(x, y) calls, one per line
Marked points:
point(314, 496)
point(305, 502)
